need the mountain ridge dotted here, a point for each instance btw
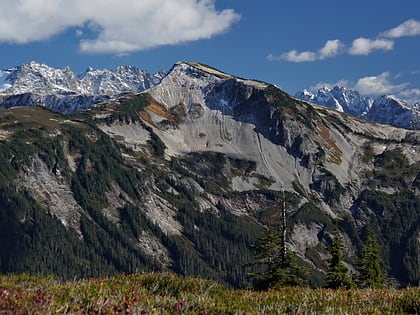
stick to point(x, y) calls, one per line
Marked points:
point(385, 109)
point(64, 91)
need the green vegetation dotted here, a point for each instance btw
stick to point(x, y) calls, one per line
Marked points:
point(370, 268)
point(392, 168)
point(114, 186)
point(157, 144)
point(337, 273)
point(126, 110)
point(394, 218)
point(169, 294)
point(275, 267)
point(309, 213)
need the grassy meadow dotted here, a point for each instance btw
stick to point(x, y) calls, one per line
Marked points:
point(161, 293)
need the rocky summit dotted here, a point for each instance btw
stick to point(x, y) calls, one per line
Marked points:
point(185, 176)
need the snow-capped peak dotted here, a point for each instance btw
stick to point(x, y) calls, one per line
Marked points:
point(34, 83)
point(339, 98)
point(386, 109)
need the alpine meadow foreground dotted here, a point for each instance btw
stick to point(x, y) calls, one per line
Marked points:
point(164, 293)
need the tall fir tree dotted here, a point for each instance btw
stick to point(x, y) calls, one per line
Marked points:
point(371, 273)
point(274, 268)
point(337, 273)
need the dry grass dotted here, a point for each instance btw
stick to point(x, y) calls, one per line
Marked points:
point(329, 144)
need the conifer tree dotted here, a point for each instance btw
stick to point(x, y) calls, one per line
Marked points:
point(371, 273)
point(337, 272)
point(275, 268)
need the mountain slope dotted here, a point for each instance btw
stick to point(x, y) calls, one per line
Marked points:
point(184, 176)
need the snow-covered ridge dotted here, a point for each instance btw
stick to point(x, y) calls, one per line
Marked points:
point(385, 109)
point(339, 98)
point(42, 79)
point(64, 91)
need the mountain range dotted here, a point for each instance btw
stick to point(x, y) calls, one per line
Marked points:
point(385, 109)
point(64, 91)
point(185, 176)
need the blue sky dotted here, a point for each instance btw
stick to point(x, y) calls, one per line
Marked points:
point(370, 45)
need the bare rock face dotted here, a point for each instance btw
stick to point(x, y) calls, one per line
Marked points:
point(52, 192)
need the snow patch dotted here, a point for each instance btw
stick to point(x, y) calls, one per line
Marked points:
point(224, 103)
point(4, 82)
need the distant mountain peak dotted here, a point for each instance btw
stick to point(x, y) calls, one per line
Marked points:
point(338, 98)
point(386, 109)
point(63, 91)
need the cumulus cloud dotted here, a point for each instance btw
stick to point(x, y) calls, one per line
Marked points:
point(408, 28)
point(120, 26)
point(294, 56)
point(360, 46)
point(411, 96)
point(331, 49)
point(364, 46)
point(378, 85)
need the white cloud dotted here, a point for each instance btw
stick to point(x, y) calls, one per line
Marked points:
point(408, 28)
point(79, 33)
point(411, 96)
point(364, 46)
point(120, 26)
point(294, 56)
point(360, 46)
point(330, 49)
point(378, 85)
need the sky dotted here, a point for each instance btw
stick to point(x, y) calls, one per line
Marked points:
point(371, 46)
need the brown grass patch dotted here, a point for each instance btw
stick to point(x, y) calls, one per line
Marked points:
point(334, 152)
point(289, 111)
point(157, 109)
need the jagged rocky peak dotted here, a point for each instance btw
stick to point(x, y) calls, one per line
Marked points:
point(39, 78)
point(385, 109)
point(339, 98)
point(390, 110)
point(305, 95)
point(61, 90)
